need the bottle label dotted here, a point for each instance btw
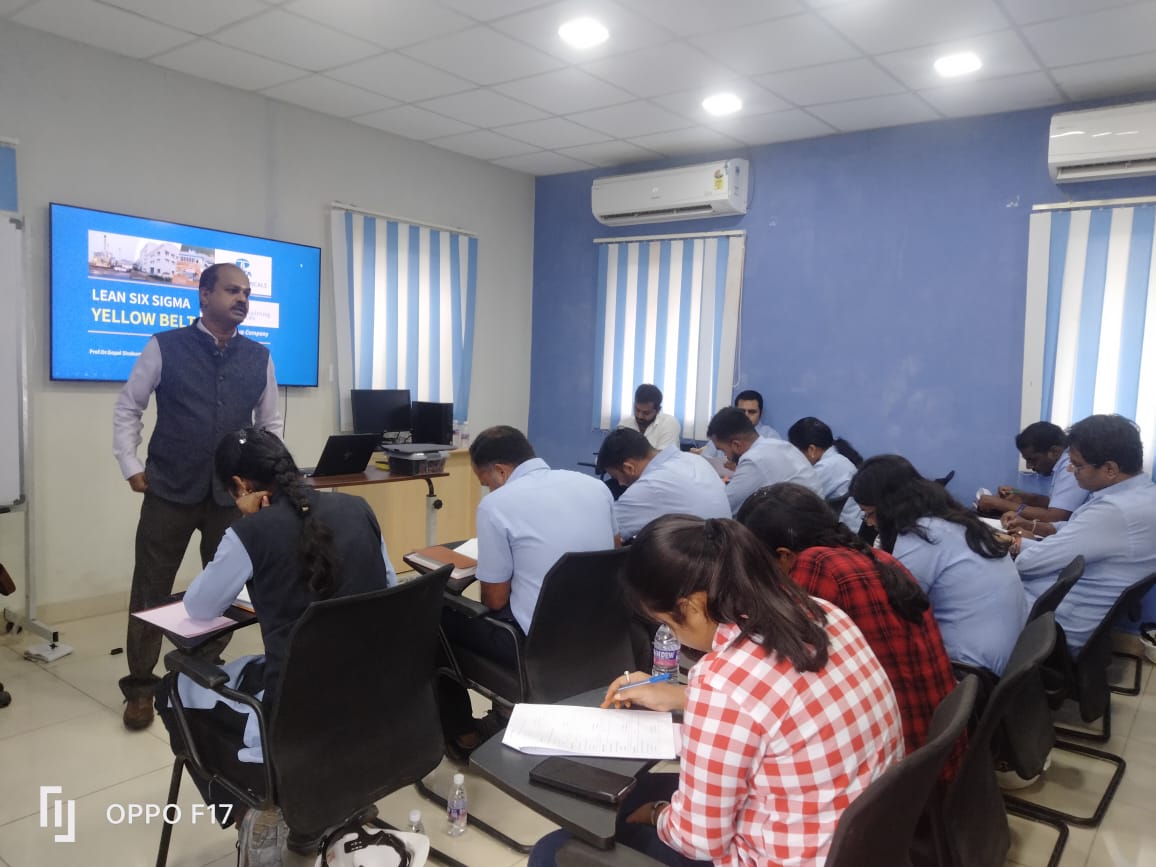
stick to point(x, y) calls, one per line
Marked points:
point(666, 658)
point(456, 811)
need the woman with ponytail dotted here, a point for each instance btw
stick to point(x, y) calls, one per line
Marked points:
point(292, 546)
point(887, 604)
point(769, 758)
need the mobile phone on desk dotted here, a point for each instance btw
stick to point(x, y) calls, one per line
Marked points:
point(585, 781)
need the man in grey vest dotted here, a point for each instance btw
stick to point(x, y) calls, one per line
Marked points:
point(208, 380)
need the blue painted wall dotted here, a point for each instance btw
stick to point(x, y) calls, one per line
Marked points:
point(884, 290)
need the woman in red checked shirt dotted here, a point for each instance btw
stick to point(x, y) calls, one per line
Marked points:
point(787, 718)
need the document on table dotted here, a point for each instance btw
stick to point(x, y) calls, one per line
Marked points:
point(994, 523)
point(562, 730)
point(174, 618)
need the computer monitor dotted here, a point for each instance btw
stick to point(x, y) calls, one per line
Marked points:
point(383, 411)
point(433, 423)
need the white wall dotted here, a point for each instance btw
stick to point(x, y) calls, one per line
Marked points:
point(102, 131)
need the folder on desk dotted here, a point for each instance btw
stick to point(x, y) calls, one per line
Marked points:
point(174, 618)
point(436, 556)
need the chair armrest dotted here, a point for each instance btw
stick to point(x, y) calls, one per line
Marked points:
point(200, 671)
point(470, 608)
point(575, 853)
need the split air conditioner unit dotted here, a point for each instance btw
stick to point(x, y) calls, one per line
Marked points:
point(1103, 143)
point(716, 189)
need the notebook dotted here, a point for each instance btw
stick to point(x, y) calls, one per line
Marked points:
point(345, 454)
point(464, 560)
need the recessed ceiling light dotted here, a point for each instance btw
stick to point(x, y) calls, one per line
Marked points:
point(583, 33)
point(720, 104)
point(951, 65)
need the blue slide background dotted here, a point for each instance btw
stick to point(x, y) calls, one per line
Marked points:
point(85, 348)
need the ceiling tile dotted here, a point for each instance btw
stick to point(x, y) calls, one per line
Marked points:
point(543, 163)
point(539, 28)
point(565, 91)
point(610, 153)
point(412, 122)
point(831, 82)
point(103, 26)
point(694, 17)
point(400, 77)
point(201, 17)
point(877, 111)
point(297, 41)
point(774, 127)
point(756, 100)
point(784, 43)
point(1002, 53)
point(993, 95)
point(483, 108)
point(660, 69)
point(1030, 11)
point(329, 97)
point(483, 144)
point(214, 62)
point(686, 141)
point(488, 10)
point(630, 119)
point(553, 132)
point(391, 23)
point(1096, 36)
point(483, 56)
point(911, 23)
point(1108, 77)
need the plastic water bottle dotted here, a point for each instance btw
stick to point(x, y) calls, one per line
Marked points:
point(665, 652)
point(456, 807)
point(465, 435)
point(415, 824)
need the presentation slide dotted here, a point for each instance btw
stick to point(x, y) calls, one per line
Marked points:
point(117, 280)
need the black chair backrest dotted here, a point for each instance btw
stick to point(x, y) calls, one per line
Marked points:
point(972, 819)
point(837, 503)
point(1051, 598)
point(357, 716)
point(878, 827)
point(1090, 685)
point(580, 635)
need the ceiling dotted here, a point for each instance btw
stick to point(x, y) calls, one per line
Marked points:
point(491, 79)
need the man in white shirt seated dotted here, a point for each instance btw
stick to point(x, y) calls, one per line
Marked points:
point(531, 516)
point(1044, 447)
point(658, 483)
point(660, 429)
point(1115, 529)
point(758, 461)
point(750, 402)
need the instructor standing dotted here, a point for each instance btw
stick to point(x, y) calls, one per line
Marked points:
point(208, 381)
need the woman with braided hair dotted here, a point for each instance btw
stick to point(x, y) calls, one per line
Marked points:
point(827, 560)
point(292, 546)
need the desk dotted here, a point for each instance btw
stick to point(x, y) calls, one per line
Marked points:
point(509, 770)
point(239, 616)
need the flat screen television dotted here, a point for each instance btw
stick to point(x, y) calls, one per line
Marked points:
point(117, 280)
point(382, 411)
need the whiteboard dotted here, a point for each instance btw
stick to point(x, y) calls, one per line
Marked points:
point(11, 374)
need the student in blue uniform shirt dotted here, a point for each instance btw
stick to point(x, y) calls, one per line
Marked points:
point(834, 460)
point(750, 402)
point(1044, 447)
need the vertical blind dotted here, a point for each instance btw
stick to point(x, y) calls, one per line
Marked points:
point(668, 314)
point(1090, 333)
point(404, 308)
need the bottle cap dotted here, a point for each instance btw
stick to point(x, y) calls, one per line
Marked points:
point(414, 816)
point(459, 779)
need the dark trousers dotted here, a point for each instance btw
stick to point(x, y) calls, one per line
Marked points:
point(478, 635)
point(643, 838)
point(162, 536)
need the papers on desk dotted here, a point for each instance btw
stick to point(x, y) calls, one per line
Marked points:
point(175, 619)
point(562, 730)
point(244, 602)
point(465, 563)
point(994, 523)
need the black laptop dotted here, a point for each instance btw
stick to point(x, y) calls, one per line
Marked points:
point(345, 454)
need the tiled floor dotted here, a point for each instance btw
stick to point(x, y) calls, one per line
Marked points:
point(63, 729)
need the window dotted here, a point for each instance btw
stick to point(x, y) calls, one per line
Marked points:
point(668, 314)
point(404, 308)
point(1090, 333)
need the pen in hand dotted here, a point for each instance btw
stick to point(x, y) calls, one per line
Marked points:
point(658, 678)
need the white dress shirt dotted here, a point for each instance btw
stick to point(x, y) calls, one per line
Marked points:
point(662, 432)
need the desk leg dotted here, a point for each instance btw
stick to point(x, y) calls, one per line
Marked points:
point(432, 504)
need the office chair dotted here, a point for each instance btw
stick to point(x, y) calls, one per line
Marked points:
point(357, 716)
point(969, 824)
point(1051, 598)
